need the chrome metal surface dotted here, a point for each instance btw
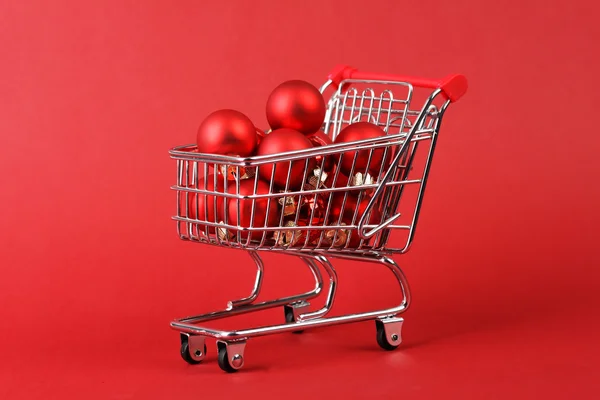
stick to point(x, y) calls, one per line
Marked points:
point(196, 347)
point(257, 284)
point(297, 308)
point(324, 262)
point(393, 329)
point(237, 361)
point(235, 352)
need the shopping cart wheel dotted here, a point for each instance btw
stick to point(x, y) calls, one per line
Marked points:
point(389, 332)
point(290, 316)
point(192, 353)
point(231, 355)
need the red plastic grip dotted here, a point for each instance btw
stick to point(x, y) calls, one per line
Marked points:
point(452, 86)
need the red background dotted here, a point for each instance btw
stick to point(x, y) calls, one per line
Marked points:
point(504, 268)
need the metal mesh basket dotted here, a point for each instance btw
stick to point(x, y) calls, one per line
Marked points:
point(357, 228)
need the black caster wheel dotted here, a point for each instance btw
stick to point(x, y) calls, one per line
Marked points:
point(225, 363)
point(382, 338)
point(185, 352)
point(289, 317)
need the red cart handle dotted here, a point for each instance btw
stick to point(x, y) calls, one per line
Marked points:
point(452, 86)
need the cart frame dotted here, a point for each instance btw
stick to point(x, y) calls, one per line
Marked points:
point(384, 194)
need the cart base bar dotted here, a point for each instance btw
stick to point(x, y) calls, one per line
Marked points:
point(231, 344)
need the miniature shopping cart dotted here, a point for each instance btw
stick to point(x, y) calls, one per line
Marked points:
point(390, 194)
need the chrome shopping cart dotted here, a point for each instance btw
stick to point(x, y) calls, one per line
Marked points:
point(376, 201)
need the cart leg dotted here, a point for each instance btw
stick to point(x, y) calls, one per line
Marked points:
point(231, 355)
point(400, 278)
point(402, 282)
point(231, 344)
point(257, 284)
point(185, 324)
point(292, 311)
point(297, 312)
point(330, 294)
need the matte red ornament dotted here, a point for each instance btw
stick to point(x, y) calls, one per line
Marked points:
point(200, 203)
point(296, 105)
point(263, 211)
point(279, 141)
point(319, 138)
point(360, 131)
point(227, 132)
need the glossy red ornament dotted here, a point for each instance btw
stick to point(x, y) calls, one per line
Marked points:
point(360, 131)
point(199, 203)
point(317, 218)
point(263, 211)
point(227, 132)
point(332, 181)
point(347, 211)
point(319, 138)
point(296, 105)
point(279, 141)
point(319, 201)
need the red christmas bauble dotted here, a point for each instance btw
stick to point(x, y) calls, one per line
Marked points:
point(319, 138)
point(361, 131)
point(227, 132)
point(296, 105)
point(332, 181)
point(347, 212)
point(202, 207)
point(279, 141)
point(313, 218)
point(263, 211)
point(260, 135)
